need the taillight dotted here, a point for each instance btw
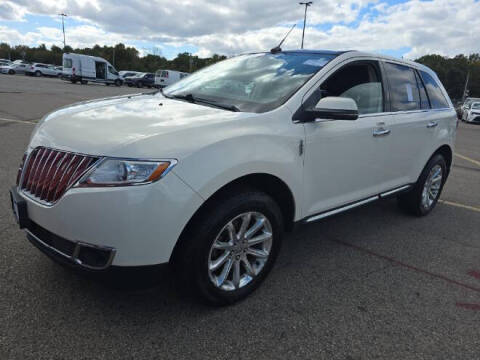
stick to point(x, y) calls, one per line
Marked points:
point(20, 169)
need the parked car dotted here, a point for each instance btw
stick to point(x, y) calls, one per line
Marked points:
point(59, 70)
point(84, 68)
point(14, 68)
point(141, 80)
point(5, 62)
point(126, 73)
point(472, 114)
point(164, 78)
point(39, 69)
point(466, 106)
point(208, 175)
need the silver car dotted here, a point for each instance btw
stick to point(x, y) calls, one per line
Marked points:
point(14, 68)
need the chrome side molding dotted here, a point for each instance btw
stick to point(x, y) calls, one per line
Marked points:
point(356, 204)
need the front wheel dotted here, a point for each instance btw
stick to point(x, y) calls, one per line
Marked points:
point(231, 247)
point(140, 84)
point(426, 192)
point(11, 72)
point(38, 73)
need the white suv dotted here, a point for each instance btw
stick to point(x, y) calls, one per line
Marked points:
point(208, 175)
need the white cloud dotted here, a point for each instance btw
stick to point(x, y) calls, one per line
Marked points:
point(230, 27)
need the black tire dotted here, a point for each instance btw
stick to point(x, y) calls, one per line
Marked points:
point(11, 72)
point(411, 201)
point(191, 258)
point(107, 84)
point(118, 82)
point(129, 85)
point(38, 73)
point(139, 84)
point(73, 81)
point(84, 82)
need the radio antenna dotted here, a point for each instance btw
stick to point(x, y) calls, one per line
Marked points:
point(278, 48)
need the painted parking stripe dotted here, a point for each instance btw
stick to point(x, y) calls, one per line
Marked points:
point(468, 207)
point(468, 159)
point(19, 121)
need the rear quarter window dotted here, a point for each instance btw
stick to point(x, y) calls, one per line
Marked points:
point(437, 99)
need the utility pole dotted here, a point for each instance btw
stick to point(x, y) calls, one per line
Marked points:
point(307, 4)
point(63, 28)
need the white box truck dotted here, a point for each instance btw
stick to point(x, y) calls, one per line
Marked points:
point(167, 77)
point(85, 68)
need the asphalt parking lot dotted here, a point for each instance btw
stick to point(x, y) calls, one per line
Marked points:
point(372, 283)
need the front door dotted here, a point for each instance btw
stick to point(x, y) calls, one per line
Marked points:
point(345, 160)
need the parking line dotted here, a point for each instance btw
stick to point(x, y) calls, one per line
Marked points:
point(468, 207)
point(468, 159)
point(19, 121)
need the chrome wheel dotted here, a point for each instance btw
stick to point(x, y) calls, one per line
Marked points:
point(240, 251)
point(431, 188)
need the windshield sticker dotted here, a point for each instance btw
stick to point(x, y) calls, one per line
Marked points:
point(316, 62)
point(409, 92)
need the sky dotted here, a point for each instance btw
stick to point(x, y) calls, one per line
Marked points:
point(401, 28)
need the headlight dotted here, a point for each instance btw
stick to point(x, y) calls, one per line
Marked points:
point(122, 172)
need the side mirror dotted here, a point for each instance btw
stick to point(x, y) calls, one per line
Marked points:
point(333, 108)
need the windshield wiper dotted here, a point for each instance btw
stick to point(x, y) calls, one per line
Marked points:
point(196, 100)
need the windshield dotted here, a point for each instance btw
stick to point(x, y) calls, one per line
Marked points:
point(252, 83)
point(476, 106)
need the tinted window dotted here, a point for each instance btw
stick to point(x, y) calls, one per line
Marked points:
point(435, 94)
point(424, 101)
point(359, 81)
point(404, 93)
point(67, 63)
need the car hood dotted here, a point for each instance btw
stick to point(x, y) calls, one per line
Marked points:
point(142, 125)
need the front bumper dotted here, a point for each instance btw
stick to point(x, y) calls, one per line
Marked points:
point(121, 226)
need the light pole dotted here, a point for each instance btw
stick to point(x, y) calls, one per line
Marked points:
point(63, 28)
point(307, 4)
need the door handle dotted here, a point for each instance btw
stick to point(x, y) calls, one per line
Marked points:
point(432, 124)
point(381, 132)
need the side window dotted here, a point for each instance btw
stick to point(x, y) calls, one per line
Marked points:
point(404, 93)
point(360, 81)
point(424, 101)
point(434, 93)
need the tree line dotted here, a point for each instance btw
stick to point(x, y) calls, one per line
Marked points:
point(451, 71)
point(120, 56)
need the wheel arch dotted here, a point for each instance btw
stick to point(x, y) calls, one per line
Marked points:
point(447, 153)
point(267, 183)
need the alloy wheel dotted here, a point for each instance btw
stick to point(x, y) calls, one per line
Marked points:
point(431, 188)
point(240, 251)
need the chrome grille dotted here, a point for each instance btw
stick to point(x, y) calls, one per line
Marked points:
point(48, 173)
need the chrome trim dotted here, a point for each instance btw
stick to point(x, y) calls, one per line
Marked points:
point(76, 252)
point(394, 191)
point(85, 175)
point(342, 209)
point(381, 132)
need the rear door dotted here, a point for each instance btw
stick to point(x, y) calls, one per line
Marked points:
point(413, 126)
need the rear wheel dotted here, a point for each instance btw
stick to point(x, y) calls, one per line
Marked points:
point(426, 192)
point(231, 247)
point(139, 84)
point(11, 72)
point(38, 73)
point(118, 82)
point(84, 82)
